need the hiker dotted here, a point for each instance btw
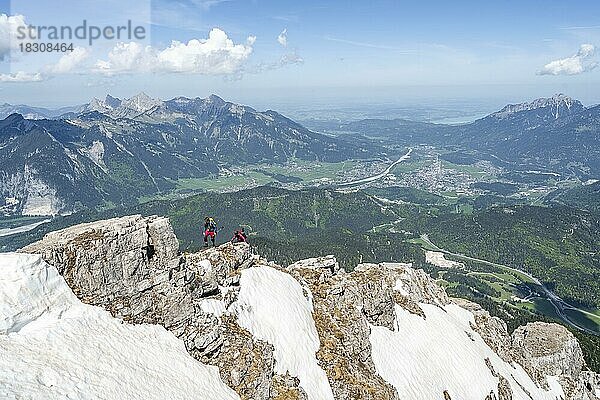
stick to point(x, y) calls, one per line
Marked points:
point(210, 230)
point(239, 236)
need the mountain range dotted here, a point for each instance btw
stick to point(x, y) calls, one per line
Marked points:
point(113, 151)
point(556, 133)
point(34, 112)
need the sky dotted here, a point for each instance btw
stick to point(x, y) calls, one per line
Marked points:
point(267, 53)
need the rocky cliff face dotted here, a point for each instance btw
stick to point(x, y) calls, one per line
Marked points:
point(312, 330)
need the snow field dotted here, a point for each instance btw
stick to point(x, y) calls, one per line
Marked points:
point(52, 346)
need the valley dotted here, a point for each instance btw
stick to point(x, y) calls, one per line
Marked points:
point(512, 282)
point(379, 176)
point(368, 191)
point(422, 167)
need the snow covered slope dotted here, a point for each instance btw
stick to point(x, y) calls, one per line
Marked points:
point(310, 331)
point(52, 346)
point(272, 306)
point(404, 357)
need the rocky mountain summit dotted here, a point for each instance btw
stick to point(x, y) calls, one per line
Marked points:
point(118, 108)
point(556, 106)
point(309, 330)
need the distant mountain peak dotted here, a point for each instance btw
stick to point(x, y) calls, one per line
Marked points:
point(140, 102)
point(558, 105)
point(561, 96)
point(213, 98)
point(111, 101)
point(14, 117)
point(96, 104)
point(115, 107)
point(17, 121)
point(103, 106)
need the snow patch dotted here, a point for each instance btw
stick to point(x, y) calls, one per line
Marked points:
point(52, 346)
point(213, 306)
point(273, 307)
point(422, 358)
point(437, 258)
point(555, 385)
point(399, 287)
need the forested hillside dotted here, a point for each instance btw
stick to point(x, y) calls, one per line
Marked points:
point(559, 245)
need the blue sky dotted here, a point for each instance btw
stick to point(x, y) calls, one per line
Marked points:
point(332, 51)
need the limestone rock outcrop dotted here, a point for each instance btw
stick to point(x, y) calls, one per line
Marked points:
point(545, 349)
point(131, 267)
point(492, 329)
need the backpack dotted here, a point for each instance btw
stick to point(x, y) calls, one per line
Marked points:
point(212, 225)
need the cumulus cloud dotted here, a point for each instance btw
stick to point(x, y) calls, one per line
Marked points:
point(9, 41)
point(128, 57)
point(578, 63)
point(69, 61)
point(21, 76)
point(217, 55)
point(8, 32)
point(282, 38)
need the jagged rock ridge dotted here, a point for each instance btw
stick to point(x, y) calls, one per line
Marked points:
point(557, 106)
point(311, 330)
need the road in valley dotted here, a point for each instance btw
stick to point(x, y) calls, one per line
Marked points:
point(559, 304)
point(380, 175)
point(21, 229)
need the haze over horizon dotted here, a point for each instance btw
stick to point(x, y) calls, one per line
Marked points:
point(269, 54)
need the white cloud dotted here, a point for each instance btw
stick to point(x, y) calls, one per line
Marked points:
point(208, 4)
point(284, 60)
point(8, 33)
point(128, 57)
point(21, 76)
point(290, 58)
point(574, 65)
point(282, 38)
point(69, 61)
point(217, 55)
point(65, 64)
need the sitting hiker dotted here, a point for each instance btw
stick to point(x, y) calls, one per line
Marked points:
point(239, 236)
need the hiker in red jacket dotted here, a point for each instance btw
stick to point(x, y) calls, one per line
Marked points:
point(239, 236)
point(210, 231)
